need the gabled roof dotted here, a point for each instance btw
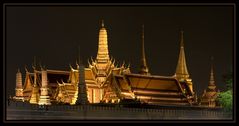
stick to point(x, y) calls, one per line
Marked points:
point(154, 89)
point(138, 81)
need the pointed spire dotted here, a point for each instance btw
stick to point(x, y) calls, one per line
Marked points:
point(143, 51)
point(212, 82)
point(143, 68)
point(35, 77)
point(181, 70)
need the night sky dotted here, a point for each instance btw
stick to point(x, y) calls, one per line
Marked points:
point(53, 34)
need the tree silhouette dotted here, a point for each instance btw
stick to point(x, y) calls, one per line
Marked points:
point(226, 98)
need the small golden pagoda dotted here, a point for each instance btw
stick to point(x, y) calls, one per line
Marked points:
point(210, 94)
point(19, 88)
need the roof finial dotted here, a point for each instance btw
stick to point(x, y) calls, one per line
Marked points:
point(102, 23)
point(143, 52)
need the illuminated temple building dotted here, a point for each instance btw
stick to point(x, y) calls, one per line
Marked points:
point(103, 81)
point(62, 86)
point(154, 89)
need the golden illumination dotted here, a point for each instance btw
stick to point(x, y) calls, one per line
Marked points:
point(105, 81)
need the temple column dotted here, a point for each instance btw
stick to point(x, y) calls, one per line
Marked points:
point(44, 97)
point(101, 94)
point(93, 93)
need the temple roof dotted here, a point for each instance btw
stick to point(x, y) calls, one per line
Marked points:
point(154, 89)
point(153, 82)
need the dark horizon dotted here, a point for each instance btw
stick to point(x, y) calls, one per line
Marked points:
point(53, 34)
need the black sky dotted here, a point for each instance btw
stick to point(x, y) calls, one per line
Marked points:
point(53, 34)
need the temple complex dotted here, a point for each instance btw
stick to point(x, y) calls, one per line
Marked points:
point(102, 81)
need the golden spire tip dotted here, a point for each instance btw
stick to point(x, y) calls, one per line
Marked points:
point(102, 23)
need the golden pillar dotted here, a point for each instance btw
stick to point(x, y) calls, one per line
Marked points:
point(44, 97)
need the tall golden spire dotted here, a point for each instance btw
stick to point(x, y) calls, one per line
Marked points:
point(103, 52)
point(143, 67)
point(181, 70)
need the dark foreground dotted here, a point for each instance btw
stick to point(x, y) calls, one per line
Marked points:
point(24, 111)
